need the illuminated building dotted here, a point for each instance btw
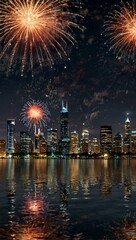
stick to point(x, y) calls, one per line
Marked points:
point(36, 141)
point(10, 136)
point(127, 136)
point(74, 142)
point(118, 143)
point(2, 148)
point(52, 141)
point(133, 142)
point(106, 139)
point(64, 130)
point(94, 146)
point(42, 144)
point(85, 141)
point(25, 143)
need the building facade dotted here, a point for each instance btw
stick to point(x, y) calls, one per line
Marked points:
point(64, 129)
point(133, 142)
point(2, 148)
point(52, 141)
point(84, 142)
point(10, 136)
point(106, 139)
point(118, 143)
point(25, 143)
point(127, 136)
point(74, 143)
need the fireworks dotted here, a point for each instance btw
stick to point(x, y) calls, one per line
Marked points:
point(120, 27)
point(33, 29)
point(35, 114)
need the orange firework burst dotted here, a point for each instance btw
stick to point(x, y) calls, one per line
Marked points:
point(31, 28)
point(121, 30)
point(35, 114)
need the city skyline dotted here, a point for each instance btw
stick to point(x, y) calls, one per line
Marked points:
point(53, 125)
point(99, 87)
point(64, 142)
point(68, 119)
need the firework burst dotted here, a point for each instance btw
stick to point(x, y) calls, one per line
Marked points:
point(33, 29)
point(120, 27)
point(35, 114)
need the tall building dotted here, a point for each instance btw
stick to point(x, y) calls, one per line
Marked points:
point(74, 143)
point(25, 143)
point(64, 129)
point(106, 139)
point(133, 142)
point(52, 141)
point(118, 143)
point(10, 136)
point(127, 136)
point(42, 144)
point(94, 146)
point(2, 148)
point(84, 143)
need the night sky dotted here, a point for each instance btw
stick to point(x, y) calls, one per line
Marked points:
point(100, 88)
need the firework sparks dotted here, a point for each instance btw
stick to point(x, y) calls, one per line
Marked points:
point(120, 27)
point(37, 28)
point(35, 114)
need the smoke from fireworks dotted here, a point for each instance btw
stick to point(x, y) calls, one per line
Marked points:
point(31, 28)
point(120, 27)
point(35, 114)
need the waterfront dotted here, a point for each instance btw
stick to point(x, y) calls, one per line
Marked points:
point(67, 198)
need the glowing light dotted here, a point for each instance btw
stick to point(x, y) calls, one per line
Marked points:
point(120, 27)
point(37, 28)
point(35, 113)
point(35, 206)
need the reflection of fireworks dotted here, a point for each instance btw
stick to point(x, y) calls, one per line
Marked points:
point(35, 113)
point(35, 205)
point(125, 230)
point(32, 27)
point(28, 231)
point(121, 30)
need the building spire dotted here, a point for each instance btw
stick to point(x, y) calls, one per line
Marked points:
point(127, 120)
point(64, 106)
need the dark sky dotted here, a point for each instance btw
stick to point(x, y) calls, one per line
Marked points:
point(100, 88)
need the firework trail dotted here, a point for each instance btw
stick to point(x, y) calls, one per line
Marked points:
point(32, 30)
point(35, 114)
point(120, 27)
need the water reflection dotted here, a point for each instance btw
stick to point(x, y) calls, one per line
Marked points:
point(65, 198)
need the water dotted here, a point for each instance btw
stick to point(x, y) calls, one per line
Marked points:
point(68, 199)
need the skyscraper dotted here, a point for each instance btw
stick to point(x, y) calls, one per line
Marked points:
point(106, 139)
point(94, 146)
point(42, 144)
point(2, 148)
point(74, 143)
point(25, 143)
point(10, 136)
point(85, 141)
point(52, 140)
point(64, 130)
point(118, 143)
point(127, 136)
point(133, 142)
